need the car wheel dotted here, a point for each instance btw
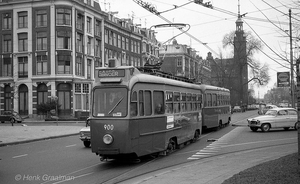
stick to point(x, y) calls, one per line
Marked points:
point(2, 121)
point(12, 120)
point(286, 128)
point(265, 127)
point(296, 126)
point(87, 144)
point(254, 129)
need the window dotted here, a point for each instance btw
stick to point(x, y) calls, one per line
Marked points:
point(7, 67)
point(89, 45)
point(133, 104)
point(42, 64)
point(7, 44)
point(115, 39)
point(179, 62)
point(214, 99)
point(63, 64)
point(23, 67)
point(63, 16)
point(6, 24)
point(79, 66)
point(148, 103)
point(126, 44)
point(183, 102)
point(106, 36)
point(176, 102)
point(22, 20)
point(89, 24)
point(41, 18)
point(119, 41)
point(158, 100)
point(89, 68)
point(23, 42)
point(41, 41)
point(79, 44)
point(98, 28)
point(169, 102)
point(42, 93)
point(82, 96)
point(98, 48)
point(110, 37)
point(63, 40)
point(141, 103)
point(80, 21)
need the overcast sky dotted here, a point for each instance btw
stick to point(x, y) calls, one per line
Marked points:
point(208, 26)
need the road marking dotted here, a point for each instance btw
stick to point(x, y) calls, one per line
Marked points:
point(73, 178)
point(214, 147)
point(72, 145)
point(20, 156)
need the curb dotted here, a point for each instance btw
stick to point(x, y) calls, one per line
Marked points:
point(37, 139)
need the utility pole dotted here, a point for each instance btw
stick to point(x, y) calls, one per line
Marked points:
point(291, 61)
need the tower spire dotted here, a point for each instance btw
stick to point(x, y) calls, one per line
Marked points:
point(239, 13)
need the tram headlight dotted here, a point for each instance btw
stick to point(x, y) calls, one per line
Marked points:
point(108, 139)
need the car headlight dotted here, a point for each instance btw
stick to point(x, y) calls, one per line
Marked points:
point(108, 139)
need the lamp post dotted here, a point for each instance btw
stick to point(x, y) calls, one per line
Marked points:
point(291, 62)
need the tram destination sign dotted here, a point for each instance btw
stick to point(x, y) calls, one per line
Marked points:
point(111, 73)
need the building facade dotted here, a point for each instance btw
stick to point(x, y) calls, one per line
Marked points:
point(182, 60)
point(50, 49)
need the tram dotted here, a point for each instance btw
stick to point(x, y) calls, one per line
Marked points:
point(135, 114)
point(216, 112)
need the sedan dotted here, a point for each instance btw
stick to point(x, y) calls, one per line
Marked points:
point(11, 116)
point(85, 135)
point(285, 118)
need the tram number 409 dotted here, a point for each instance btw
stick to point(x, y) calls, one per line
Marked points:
point(108, 127)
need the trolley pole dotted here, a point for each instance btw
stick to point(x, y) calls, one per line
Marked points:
point(292, 64)
point(298, 104)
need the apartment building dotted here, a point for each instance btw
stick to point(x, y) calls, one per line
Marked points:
point(49, 49)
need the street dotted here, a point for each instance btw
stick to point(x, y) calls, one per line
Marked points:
point(66, 160)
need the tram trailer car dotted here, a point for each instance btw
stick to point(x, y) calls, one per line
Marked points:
point(216, 112)
point(136, 114)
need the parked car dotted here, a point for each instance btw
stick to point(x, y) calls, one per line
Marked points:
point(11, 116)
point(285, 118)
point(237, 109)
point(85, 135)
point(268, 107)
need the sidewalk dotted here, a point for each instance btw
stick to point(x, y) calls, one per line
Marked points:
point(35, 129)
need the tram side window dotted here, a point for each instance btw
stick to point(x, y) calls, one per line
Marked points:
point(199, 101)
point(141, 103)
point(188, 102)
point(183, 102)
point(176, 102)
point(133, 104)
point(148, 103)
point(169, 102)
point(214, 99)
point(158, 99)
point(208, 100)
point(194, 102)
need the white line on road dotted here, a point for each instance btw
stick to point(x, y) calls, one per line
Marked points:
point(72, 145)
point(20, 156)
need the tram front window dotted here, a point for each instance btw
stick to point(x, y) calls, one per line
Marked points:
point(110, 102)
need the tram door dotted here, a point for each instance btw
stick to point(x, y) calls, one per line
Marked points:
point(64, 99)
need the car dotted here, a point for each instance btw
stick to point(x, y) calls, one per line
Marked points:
point(85, 135)
point(285, 118)
point(268, 107)
point(237, 109)
point(11, 116)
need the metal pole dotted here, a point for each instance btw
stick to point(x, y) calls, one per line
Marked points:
point(291, 60)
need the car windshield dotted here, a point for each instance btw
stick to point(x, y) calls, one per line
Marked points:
point(271, 112)
point(110, 102)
